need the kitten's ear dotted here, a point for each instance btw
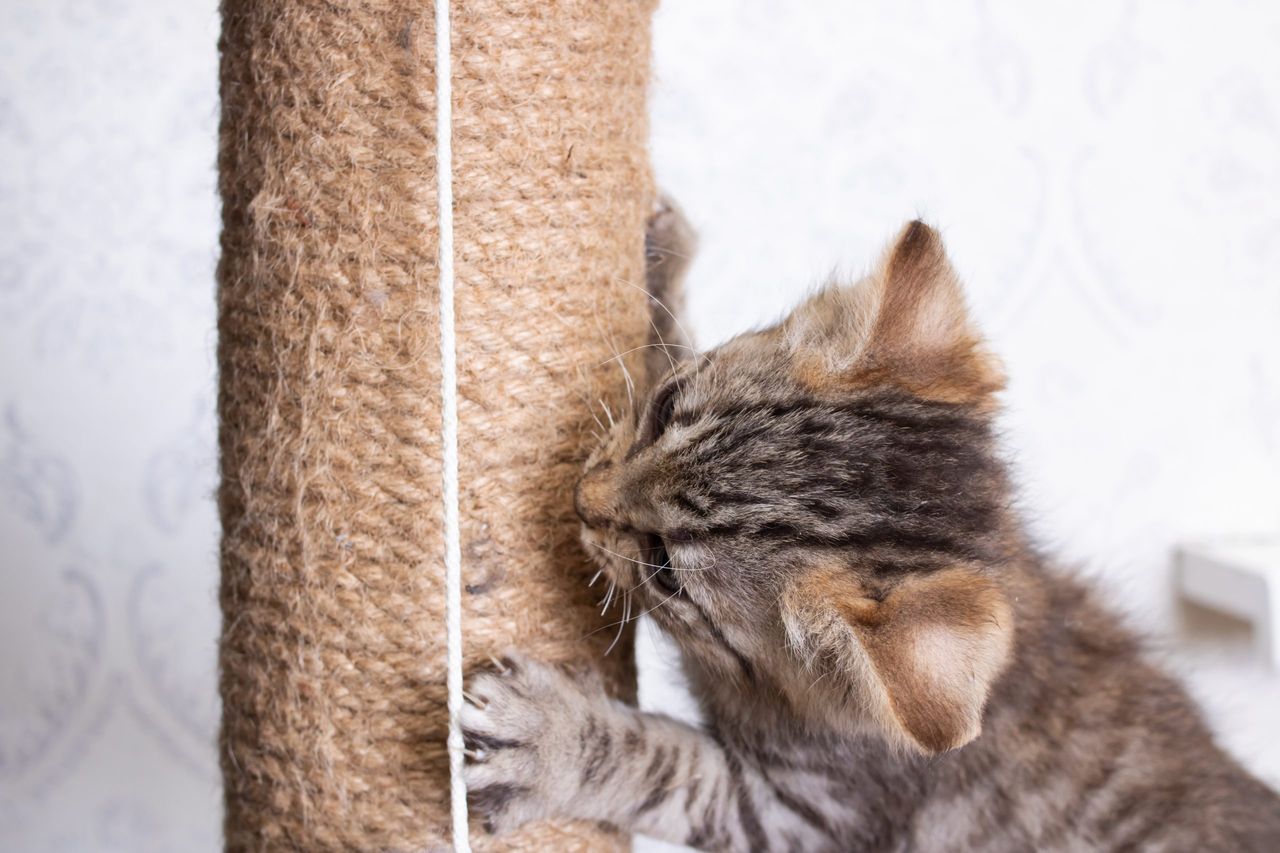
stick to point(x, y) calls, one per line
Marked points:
point(924, 656)
point(669, 244)
point(905, 325)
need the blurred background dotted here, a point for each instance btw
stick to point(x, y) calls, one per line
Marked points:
point(1107, 177)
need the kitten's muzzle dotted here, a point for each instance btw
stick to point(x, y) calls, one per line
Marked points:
point(595, 499)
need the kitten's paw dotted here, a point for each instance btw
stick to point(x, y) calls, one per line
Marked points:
point(522, 727)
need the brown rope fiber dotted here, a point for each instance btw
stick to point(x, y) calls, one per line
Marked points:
point(333, 645)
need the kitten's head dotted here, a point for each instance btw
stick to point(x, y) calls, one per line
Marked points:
point(815, 510)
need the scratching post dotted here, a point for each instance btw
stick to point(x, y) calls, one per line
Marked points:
point(333, 644)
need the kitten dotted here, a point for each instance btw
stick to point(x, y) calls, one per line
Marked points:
point(818, 515)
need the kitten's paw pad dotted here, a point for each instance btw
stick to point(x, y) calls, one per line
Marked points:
point(668, 234)
point(518, 724)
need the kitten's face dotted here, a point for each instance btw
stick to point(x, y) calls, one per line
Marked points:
point(821, 497)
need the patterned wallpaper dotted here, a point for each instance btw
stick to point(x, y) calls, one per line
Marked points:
point(108, 617)
point(1107, 176)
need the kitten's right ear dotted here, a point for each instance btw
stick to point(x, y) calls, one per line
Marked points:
point(669, 244)
point(922, 657)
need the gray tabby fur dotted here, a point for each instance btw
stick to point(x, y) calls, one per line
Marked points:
point(818, 515)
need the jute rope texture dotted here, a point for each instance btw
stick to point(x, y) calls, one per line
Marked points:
point(334, 661)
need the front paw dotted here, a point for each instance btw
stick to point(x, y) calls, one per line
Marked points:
point(522, 731)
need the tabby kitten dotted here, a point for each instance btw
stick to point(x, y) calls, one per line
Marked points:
point(818, 514)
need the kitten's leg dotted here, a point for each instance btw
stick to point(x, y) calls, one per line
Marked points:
point(669, 244)
point(546, 744)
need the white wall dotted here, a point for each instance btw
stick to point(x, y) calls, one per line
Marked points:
point(1107, 176)
point(108, 615)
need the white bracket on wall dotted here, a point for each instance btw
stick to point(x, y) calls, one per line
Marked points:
point(1238, 577)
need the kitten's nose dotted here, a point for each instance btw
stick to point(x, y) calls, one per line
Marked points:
point(596, 497)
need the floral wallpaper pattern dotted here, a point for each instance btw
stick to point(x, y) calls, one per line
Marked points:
point(108, 617)
point(1107, 177)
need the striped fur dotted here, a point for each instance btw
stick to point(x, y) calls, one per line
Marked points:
point(817, 512)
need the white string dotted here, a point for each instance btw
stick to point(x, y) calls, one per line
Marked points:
point(449, 423)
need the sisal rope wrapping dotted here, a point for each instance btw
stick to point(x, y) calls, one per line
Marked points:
point(333, 590)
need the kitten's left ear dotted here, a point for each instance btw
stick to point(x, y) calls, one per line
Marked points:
point(669, 246)
point(923, 657)
point(905, 325)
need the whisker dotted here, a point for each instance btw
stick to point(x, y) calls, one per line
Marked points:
point(659, 604)
point(630, 618)
point(595, 417)
point(673, 567)
point(666, 350)
point(663, 250)
point(625, 557)
point(595, 631)
point(674, 317)
point(630, 383)
point(648, 346)
point(622, 623)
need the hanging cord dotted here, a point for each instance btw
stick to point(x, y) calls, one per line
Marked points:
point(449, 422)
